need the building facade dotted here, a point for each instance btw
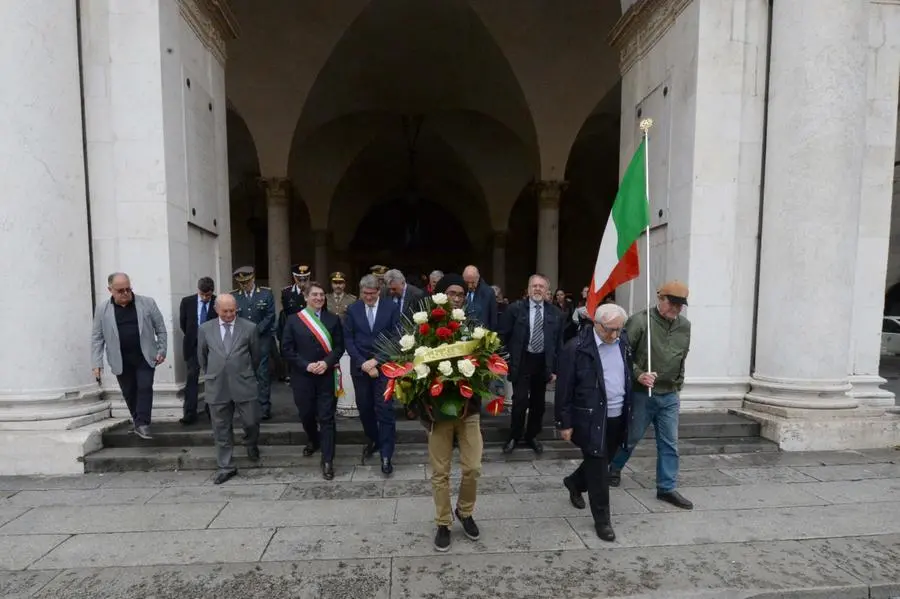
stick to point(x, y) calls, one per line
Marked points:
point(174, 139)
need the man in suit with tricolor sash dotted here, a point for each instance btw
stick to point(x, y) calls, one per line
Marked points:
point(313, 343)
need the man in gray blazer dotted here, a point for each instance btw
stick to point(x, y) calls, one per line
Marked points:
point(131, 329)
point(229, 352)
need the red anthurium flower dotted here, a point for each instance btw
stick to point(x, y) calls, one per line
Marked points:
point(453, 325)
point(438, 313)
point(424, 329)
point(443, 333)
point(437, 387)
point(495, 406)
point(392, 370)
point(407, 368)
point(473, 360)
point(465, 389)
point(497, 365)
point(389, 390)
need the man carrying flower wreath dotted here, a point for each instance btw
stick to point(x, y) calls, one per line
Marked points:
point(441, 367)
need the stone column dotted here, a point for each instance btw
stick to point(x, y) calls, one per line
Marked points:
point(278, 214)
point(549, 193)
point(499, 259)
point(816, 137)
point(321, 239)
point(48, 391)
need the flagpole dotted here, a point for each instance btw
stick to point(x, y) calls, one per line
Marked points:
point(645, 127)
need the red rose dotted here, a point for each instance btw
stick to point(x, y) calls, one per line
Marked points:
point(424, 329)
point(453, 325)
point(443, 333)
point(438, 313)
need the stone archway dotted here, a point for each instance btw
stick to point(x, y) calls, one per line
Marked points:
point(247, 200)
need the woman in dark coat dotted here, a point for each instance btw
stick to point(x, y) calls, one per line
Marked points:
point(593, 400)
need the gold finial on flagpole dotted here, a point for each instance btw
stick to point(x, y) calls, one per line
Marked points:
point(646, 124)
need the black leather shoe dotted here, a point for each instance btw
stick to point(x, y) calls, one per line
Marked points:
point(267, 415)
point(442, 539)
point(386, 467)
point(310, 449)
point(327, 470)
point(675, 498)
point(615, 477)
point(536, 445)
point(509, 446)
point(188, 420)
point(222, 477)
point(253, 453)
point(369, 450)
point(469, 526)
point(605, 532)
point(574, 494)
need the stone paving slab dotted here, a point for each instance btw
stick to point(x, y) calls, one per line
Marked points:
point(873, 490)
point(417, 538)
point(18, 552)
point(99, 496)
point(774, 474)
point(494, 469)
point(155, 480)
point(501, 507)
point(253, 514)
point(112, 518)
point(549, 484)
point(157, 548)
point(331, 490)
point(741, 526)
point(764, 495)
point(401, 472)
point(874, 559)
point(266, 476)
point(219, 493)
point(855, 472)
point(325, 579)
point(40, 483)
point(689, 478)
point(22, 585)
point(8, 514)
point(621, 572)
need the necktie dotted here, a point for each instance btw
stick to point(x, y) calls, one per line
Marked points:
point(204, 311)
point(371, 316)
point(537, 331)
point(228, 341)
point(470, 297)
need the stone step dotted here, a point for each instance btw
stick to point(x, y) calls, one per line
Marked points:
point(147, 458)
point(495, 429)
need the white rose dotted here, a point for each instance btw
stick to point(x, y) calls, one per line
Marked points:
point(445, 368)
point(422, 371)
point(466, 368)
point(439, 298)
point(407, 342)
point(420, 317)
point(421, 350)
point(478, 333)
point(458, 314)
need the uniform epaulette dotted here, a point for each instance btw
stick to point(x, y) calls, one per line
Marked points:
point(286, 287)
point(266, 288)
point(233, 291)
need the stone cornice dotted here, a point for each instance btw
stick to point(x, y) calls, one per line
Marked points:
point(641, 27)
point(213, 22)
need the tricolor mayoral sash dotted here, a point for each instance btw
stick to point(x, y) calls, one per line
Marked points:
point(320, 332)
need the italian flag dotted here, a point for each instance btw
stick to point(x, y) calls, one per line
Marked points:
point(617, 260)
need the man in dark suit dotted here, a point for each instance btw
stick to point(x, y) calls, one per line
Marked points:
point(195, 309)
point(313, 343)
point(228, 350)
point(364, 322)
point(481, 300)
point(406, 296)
point(532, 332)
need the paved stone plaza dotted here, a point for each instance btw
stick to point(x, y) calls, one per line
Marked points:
point(763, 523)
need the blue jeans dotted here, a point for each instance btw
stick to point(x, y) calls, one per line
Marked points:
point(662, 411)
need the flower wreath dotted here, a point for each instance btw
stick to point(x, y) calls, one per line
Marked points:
point(440, 360)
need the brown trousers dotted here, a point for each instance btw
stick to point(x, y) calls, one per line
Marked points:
point(440, 454)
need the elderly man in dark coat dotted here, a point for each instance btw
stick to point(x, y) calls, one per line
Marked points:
point(593, 399)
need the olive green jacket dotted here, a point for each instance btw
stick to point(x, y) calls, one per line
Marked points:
point(670, 341)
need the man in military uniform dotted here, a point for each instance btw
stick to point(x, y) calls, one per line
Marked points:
point(257, 304)
point(338, 301)
point(379, 270)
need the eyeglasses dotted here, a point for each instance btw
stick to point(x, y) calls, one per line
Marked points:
point(616, 330)
point(122, 291)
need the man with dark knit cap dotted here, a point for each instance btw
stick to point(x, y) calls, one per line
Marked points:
point(467, 431)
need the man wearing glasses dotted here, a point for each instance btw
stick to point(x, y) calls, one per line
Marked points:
point(131, 329)
point(593, 397)
point(656, 398)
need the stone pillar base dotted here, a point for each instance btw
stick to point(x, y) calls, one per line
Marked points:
point(346, 405)
point(50, 451)
point(713, 394)
point(168, 400)
point(866, 389)
point(825, 430)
